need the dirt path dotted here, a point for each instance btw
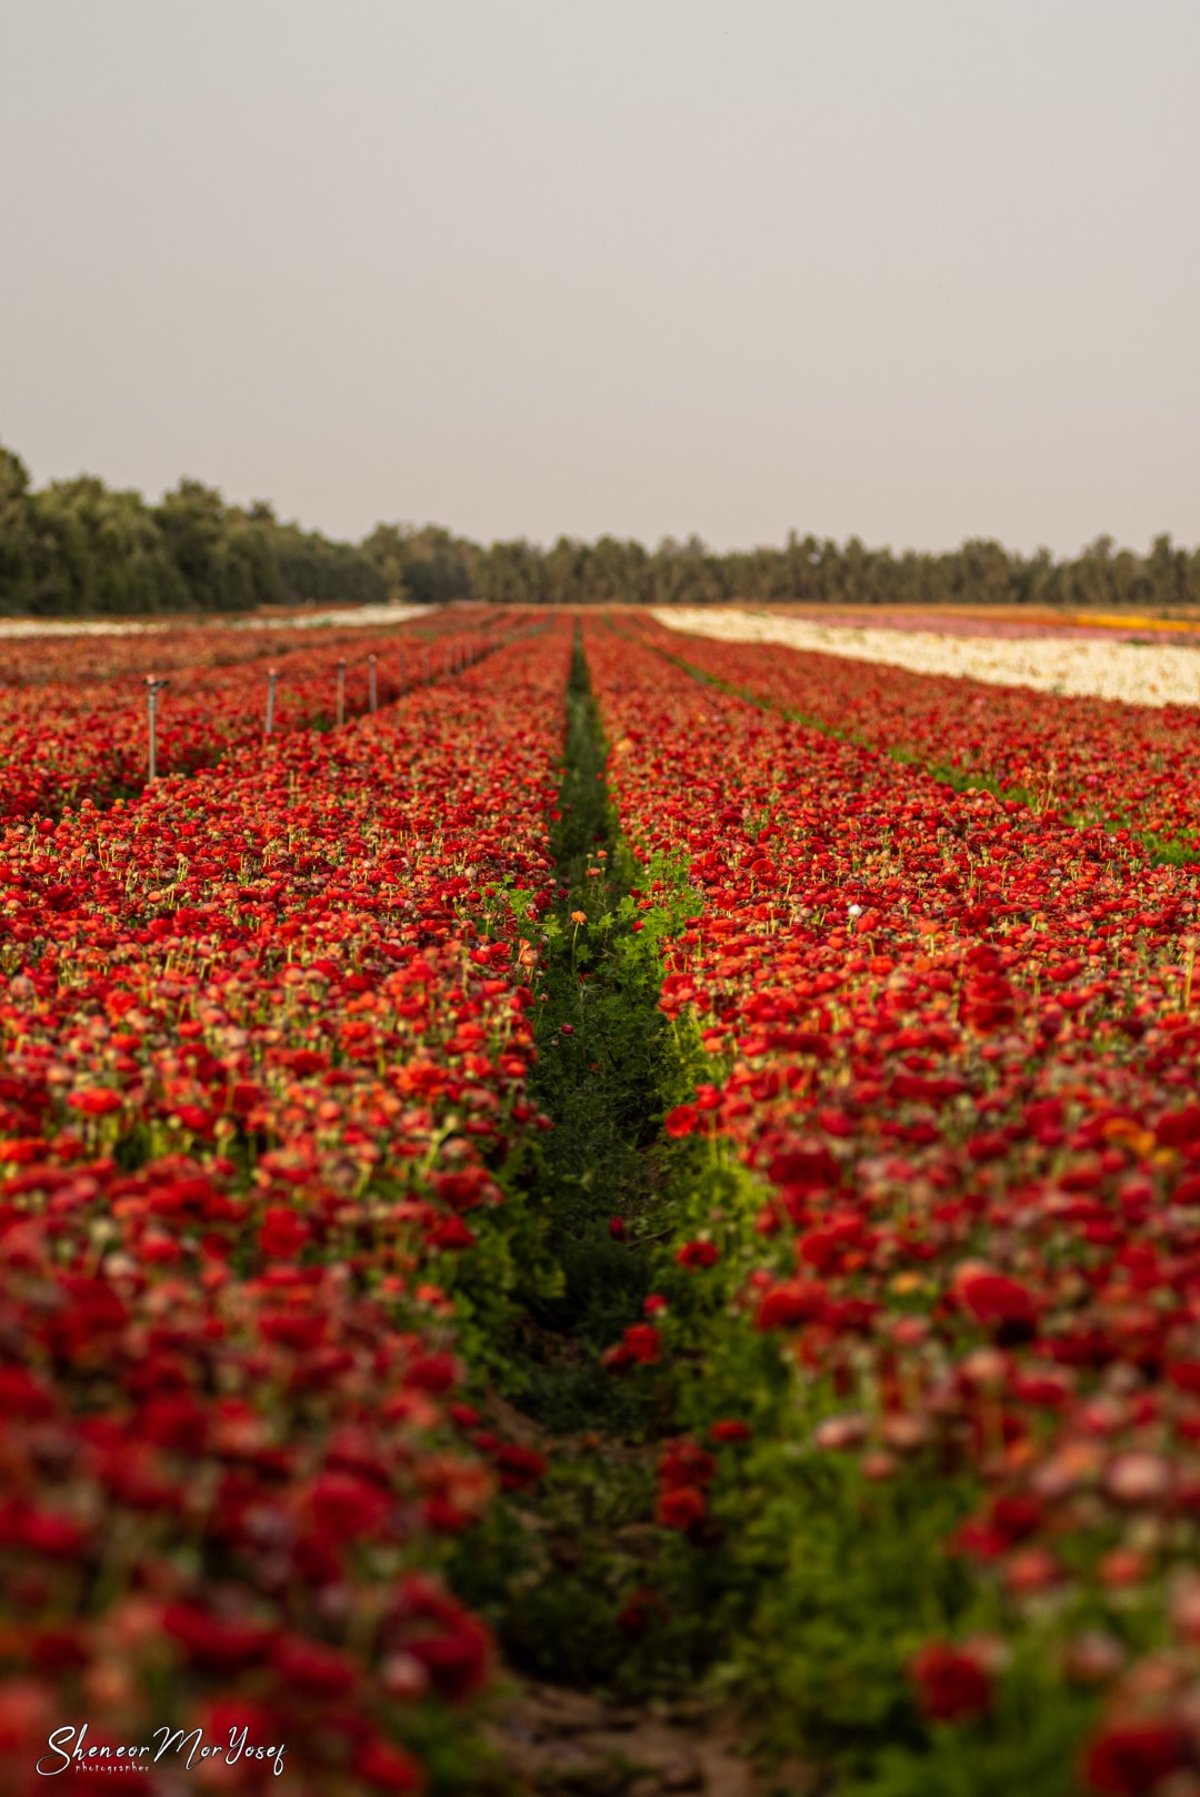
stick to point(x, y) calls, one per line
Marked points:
point(558, 1742)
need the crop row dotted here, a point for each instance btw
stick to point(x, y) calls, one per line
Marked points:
point(61, 742)
point(40, 660)
point(266, 1036)
point(1098, 760)
point(941, 1255)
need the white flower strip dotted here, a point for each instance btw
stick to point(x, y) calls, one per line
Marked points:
point(1150, 674)
point(342, 615)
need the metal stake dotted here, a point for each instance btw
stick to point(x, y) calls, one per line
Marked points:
point(371, 660)
point(272, 677)
point(341, 691)
point(153, 687)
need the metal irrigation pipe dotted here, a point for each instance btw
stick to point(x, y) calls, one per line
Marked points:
point(154, 686)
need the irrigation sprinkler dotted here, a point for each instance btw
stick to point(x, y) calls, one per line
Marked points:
point(272, 677)
point(371, 660)
point(154, 686)
point(341, 690)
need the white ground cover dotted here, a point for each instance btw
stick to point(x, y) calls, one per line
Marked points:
point(1150, 674)
point(343, 615)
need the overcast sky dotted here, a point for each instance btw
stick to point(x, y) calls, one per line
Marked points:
point(911, 269)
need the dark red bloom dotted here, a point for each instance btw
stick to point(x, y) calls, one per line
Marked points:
point(1128, 1759)
point(680, 1506)
point(950, 1683)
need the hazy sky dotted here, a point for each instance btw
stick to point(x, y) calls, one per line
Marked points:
point(915, 269)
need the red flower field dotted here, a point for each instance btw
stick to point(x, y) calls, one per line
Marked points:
point(75, 711)
point(266, 1035)
point(611, 1166)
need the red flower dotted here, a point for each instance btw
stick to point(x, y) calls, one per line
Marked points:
point(283, 1233)
point(292, 1328)
point(644, 1343)
point(730, 1429)
point(785, 1306)
point(519, 1467)
point(993, 1299)
point(348, 1507)
point(313, 1669)
point(685, 1462)
point(1129, 1759)
point(212, 1642)
point(435, 1372)
point(452, 1234)
point(387, 1768)
point(457, 1661)
point(96, 1101)
point(951, 1685)
point(697, 1255)
point(680, 1507)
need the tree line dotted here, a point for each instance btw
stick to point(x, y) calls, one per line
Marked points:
point(77, 548)
point(808, 570)
point(80, 548)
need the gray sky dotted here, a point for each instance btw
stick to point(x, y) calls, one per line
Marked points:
point(915, 269)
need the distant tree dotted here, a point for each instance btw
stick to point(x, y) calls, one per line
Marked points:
point(100, 552)
point(512, 573)
point(428, 566)
point(217, 571)
point(1168, 571)
point(618, 573)
point(438, 566)
point(16, 535)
